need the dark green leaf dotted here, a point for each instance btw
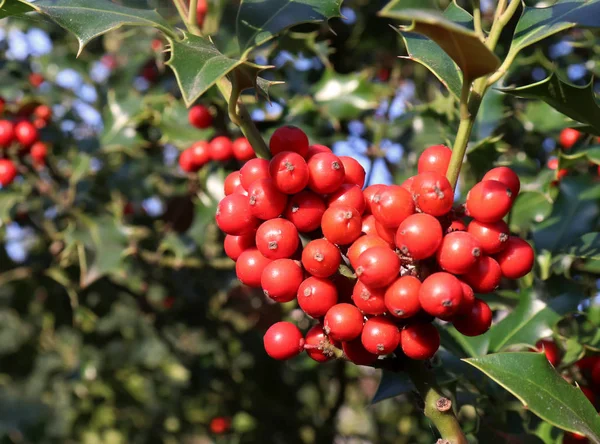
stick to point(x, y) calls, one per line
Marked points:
point(531, 378)
point(531, 207)
point(120, 119)
point(14, 7)
point(260, 20)
point(392, 384)
point(490, 114)
point(574, 213)
point(576, 102)
point(541, 117)
point(473, 346)
point(8, 200)
point(588, 154)
point(175, 128)
point(587, 247)
point(581, 329)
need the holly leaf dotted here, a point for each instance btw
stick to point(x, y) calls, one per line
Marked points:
point(392, 384)
point(452, 31)
point(88, 19)
point(175, 128)
point(586, 247)
point(589, 154)
point(120, 123)
point(473, 346)
point(258, 21)
point(531, 378)
point(576, 102)
point(529, 208)
point(14, 7)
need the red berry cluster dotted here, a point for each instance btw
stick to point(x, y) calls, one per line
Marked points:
point(412, 254)
point(20, 134)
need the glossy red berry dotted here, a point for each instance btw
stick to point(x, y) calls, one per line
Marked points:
point(419, 341)
point(321, 258)
point(281, 279)
point(402, 297)
point(250, 266)
point(370, 192)
point(315, 340)
point(343, 322)
point(219, 425)
point(201, 11)
point(360, 245)
point(468, 299)
point(26, 134)
point(356, 352)
point(38, 153)
point(441, 295)
point(289, 138)
point(458, 252)
point(355, 173)
point(232, 181)
point(186, 161)
point(253, 170)
point(305, 210)
point(484, 276)
point(289, 171)
point(316, 296)
point(325, 173)
point(507, 176)
point(368, 225)
point(200, 116)
point(283, 340)
point(408, 184)
point(435, 159)
point(341, 225)
point(242, 150)
point(221, 149)
point(348, 195)
point(489, 201)
point(235, 245)
point(380, 335)
point(378, 267)
point(550, 349)
point(43, 112)
point(476, 321)
point(316, 149)
point(8, 172)
point(456, 225)
point(234, 215)
point(433, 193)
point(369, 300)
point(492, 236)
point(388, 234)
point(277, 239)
point(419, 236)
point(516, 260)
point(266, 201)
point(391, 205)
point(36, 79)
point(569, 137)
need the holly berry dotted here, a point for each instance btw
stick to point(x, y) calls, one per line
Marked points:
point(356, 352)
point(550, 349)
point(242, 150)
point(368, 225)
point(370, 301)
point(569, 137)
point(305, 210)
point(219, 425)
point(378, 266)
point(386, 233)
point(314, 341)
point(232, 181)
point(476, 321)
point(221, 149)
point(316, 149)
point(235, 245)
point(283, 340)
point(435, 159)
point(370, 192)
point(38, 153)
point(419, 341)
point(289, 171)
point(348, 195)
point(355, 173)
point(186, 161)
point(8, 172)
point(43, 112)
point(289, 138)
point(492, 236)
point(391, 205)
point(36, 79)
point(402, 297)
point(281, 279)
point(489, 201)
point(277, 239)
point(419, 236)
point(250, 266)
point(380, 335)
point(7, 133)
point(441, 295)
point(266, 201)
point(433, 193)
point(253, 170)
point(325, 173)
point(507, 176)
point(316, 296)
point(341, 225)
point(321, 258)
point(360, 245)
point(468, 299)
point(200, 116)
point(516, 260)
point(343, 322)
point(201, 11)
point(234, 215)
point(458, 252)
point(484, 276)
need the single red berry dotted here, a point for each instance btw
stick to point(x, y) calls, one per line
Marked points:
point(419, 236)
point(221, 149)
point(391, 205)
point(492, 236)
point(220, 425)
point(356, 352)
point(552, 163)
point(235, 245)
point(186, 161)
point(26, 134)
point(201, 11)
point(355, 173)
point(283, 340)
point(316, 149)
point(408, 184)
point(516, 260)
point(507, 176)
point(468, 299)
point(368, 225)
point(316, 339)
point(380, 335)
point(325, 173)
point(550, 349)
point(289, 171)
point(200, 153)
point(402, 297)
point(43, 112)
point(489, 201)
point(253, 170)
point(316, 296)
point(348, 195)
point(484, 276)
point(362, 244)
point(289, 138)
point(341, 225)
point(589, 394)
point(435, 159)
point(476, 321)
point(277, 239)
point(433, 193)
point(343, 322)
point(242, 150)
point(321, 258)
point(234, 215)
point(458, 252)
point(456, 225)
point(388, 234)
point(369, 300)
point(281, 279)
point(232, 181)
point(378, 267)
point(250, 266)
point(420, 341)
point(40, 123)
point(36, 79)
point(38, 153)
point(305, 210)
point(200, 116)
point(266, 201)
point(569, 137)
point(370, 192)
point(8, 172)
point(441, 295)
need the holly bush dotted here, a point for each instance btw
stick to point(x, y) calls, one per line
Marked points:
point(426, 270)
